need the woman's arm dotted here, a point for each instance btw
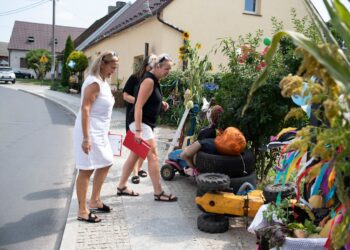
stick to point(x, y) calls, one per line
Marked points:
point(90, 94)
point(146, 89)
point(128, 98)
point(128, 89)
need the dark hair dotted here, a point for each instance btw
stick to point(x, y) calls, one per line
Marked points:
point(148, 61)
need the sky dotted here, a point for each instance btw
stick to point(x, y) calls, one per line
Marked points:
point(77, 13)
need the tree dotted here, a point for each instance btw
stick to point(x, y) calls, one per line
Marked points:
point(40, 67)
point(69, 48)
point(77, 63)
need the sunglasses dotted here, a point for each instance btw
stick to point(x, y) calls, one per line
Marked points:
point(110, 54)
point(163, 58)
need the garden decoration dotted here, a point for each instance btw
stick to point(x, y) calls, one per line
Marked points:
point(326, 71)
point(267, 41)
point(193, 77)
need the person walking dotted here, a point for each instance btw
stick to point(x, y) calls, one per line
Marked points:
point(129, 91)
point(148, 105)
point(93, 152)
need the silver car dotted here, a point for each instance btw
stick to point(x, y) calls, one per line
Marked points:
point(7, 75)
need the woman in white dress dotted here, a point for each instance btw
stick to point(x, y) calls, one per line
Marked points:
point(93, 152)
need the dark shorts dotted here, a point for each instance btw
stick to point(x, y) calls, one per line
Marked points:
point(208, 146)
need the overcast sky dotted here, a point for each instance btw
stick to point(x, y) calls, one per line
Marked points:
point(77, 13)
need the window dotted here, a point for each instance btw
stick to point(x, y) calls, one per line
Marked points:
point(23, 63)
point(137, 63)
point(30, 39)
point(250, 6)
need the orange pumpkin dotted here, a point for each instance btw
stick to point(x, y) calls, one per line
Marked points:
point(230, 142)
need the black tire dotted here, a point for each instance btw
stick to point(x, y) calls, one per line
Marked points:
point(236, 183)
point(233, 166)
point(213, 223)
point(213, 182)
point(271, 191)
point(14, 81)
point(167, 172)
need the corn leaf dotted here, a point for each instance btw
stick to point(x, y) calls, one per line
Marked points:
point(340, 72)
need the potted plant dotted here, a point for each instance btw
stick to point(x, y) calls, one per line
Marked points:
point(118, 94)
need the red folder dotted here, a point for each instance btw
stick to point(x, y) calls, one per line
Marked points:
point(141, 149)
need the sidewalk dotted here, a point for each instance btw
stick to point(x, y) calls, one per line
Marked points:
point(140, 222)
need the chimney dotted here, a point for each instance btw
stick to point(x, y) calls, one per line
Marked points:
point(118, 5)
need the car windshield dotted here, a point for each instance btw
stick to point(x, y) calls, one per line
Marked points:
point(5, 69)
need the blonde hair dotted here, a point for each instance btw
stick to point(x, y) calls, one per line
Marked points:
point(152, 58)
point(105, 57)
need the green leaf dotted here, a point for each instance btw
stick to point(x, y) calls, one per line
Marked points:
point(340, 19)
point(342, 12)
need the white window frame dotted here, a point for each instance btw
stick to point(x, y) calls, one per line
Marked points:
point(257, 8)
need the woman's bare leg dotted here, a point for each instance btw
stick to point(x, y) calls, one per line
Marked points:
point(189, 153)
point(99, 178)
point(82, 185)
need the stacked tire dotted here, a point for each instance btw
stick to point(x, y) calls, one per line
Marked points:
point(239, 168)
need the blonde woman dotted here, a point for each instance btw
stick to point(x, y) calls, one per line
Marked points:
point(148, 105)
point(93, 153)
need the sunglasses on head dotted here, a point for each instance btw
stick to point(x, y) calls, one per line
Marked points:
point(163, 58)
point(112, 53)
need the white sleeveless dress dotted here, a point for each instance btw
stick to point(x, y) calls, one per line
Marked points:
point(101, 154)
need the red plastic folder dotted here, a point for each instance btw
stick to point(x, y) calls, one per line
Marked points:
point(141, 149)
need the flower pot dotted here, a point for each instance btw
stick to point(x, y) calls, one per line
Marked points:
point(118, 97)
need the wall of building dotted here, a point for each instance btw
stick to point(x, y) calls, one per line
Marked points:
point(205, 20)
point(130, 43)
point(208, 20)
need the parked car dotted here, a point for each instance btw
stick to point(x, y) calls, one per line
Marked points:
point(24, 75)
point(7, 75)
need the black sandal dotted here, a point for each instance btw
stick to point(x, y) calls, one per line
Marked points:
point(169, 198)
point(135, 179)
point(103, 209)
point(142, 173)
point(123, 192)
point(92, 218)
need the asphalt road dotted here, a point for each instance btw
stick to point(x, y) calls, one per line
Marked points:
point(36, 171)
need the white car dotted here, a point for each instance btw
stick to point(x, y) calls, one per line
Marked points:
point(7, 75)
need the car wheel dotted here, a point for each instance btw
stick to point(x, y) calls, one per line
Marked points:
point(233, 166)
point(167, 172)
point(212, 223)
point(213, 182)
point(14, 81)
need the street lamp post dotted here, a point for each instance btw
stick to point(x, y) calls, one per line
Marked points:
point(53, 66)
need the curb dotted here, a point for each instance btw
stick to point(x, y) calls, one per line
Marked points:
point(52, 100)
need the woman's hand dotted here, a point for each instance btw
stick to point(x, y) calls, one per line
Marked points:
point(165, 105)
point(138, 136)
point(86, 145)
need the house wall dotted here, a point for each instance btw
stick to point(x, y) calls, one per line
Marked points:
point(130, 43)
point(205, 20)
point(208, 20)
point(15, 56)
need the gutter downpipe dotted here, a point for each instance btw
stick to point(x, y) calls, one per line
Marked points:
point(184, 65)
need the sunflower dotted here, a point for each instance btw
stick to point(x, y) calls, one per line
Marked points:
point(186, 35)
point(182, 50)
